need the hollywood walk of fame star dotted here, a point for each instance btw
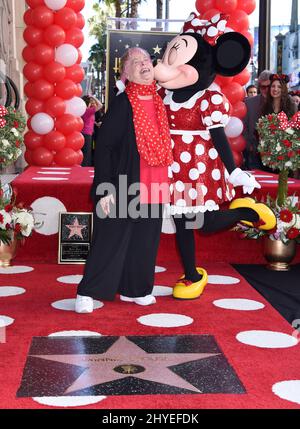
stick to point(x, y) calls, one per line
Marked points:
point(124, 359)
point(76, 228)
point(157, 49)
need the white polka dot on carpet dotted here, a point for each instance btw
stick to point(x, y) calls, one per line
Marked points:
point(266, 339)
point(222, 280)
point(165, 320)
point(16, 269)
point(72, 279)
point(159, 269)
point(6, 321)
point(289, 390)
point(162, 291)
point(11, 291)
point(68, 401)
point(69, 304)
point(75, 334)
point(238, 304)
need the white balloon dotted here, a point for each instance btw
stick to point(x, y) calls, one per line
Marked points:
point(234, 127)
point(42, 123)
point(76, 106)
point(66, 54)
point(55, 4)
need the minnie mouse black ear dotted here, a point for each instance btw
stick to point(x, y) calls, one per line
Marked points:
point(232, 53)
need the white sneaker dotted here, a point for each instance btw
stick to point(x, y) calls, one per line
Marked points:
point(84, 304)
point(142, 300)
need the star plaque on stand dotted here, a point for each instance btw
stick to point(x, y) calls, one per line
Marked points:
point(75, 235)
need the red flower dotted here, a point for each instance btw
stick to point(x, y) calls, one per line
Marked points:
point(18, 143)
point(8, 208)
point(273, 127)
point(18, 227)
point(270, 118)
point(1, 192)
point(1, 218)
point(7, 226)
point(280, 157)
point(286, 215)
point(287, 143)
point(292, 233)
point(291, 153)
point(16, 124)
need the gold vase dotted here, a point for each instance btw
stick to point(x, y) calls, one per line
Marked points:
point(8, 252)
point(278, 254)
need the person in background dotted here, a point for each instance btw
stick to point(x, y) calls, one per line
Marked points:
point(254, 106)
point(277, 99)
point(251, 91)
point(296, 97)
point(93, 106)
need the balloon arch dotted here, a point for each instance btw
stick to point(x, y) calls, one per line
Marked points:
point(54, 35)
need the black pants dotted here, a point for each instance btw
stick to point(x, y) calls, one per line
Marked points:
point(87, 151)
point(122, 258)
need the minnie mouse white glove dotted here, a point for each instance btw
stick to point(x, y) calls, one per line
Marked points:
point(241, 178)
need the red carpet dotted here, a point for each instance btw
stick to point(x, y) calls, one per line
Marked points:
point(258, 368)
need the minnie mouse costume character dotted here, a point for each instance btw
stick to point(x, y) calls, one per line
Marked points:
point(204, 173)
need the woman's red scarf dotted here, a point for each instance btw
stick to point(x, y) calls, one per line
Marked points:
point(153, 146)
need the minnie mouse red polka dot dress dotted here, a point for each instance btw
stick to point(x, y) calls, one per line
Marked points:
point(198, 176)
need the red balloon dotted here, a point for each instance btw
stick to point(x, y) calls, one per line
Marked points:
point(54, 72)
point(247, 6)
point(75, 37)
point(54, 35)
point(43, 89)
point(66, 89)
point(66, 157)
point(204, 5)
point(76, 5)
point(66, 124)
point(226, 6)
point(210, 13)
point(238, 144)
point(248, 36)
point(79, 123)
point(34, 106)
point(239, 110)
point(28, 17)
point(33, 36)
point(32, 71)
point(234, 92)
point(75, 73)
point(34, 3)
point(55, 141)
point(65, 18)
point(238, 158)
point(243, 77)
point(28, 54)
point(29, 124)
point(79, 157)
point(28, 156)
point(29, 89)
point(238, 21)
point(42, 16)
point(42, 156)
point(80, 21)
point(223, 80)
point(79, 90)
point(75, 141)
point(43, 53)
point(79, 56)
point(55, 106)
point(33, 140)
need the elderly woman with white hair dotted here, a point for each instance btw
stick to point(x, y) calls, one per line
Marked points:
point(134, 151)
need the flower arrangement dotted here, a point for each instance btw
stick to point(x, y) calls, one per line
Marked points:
point(279, 147)
point(12, 126)
point(16, 221)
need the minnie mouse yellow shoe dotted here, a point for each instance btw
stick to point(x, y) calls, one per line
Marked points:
point(186, 289)
point(266, 215)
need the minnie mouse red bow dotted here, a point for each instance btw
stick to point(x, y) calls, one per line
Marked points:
point(210, 30)
point(284, 123)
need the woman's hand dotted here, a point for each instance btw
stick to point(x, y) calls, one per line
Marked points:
point(105, 203)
